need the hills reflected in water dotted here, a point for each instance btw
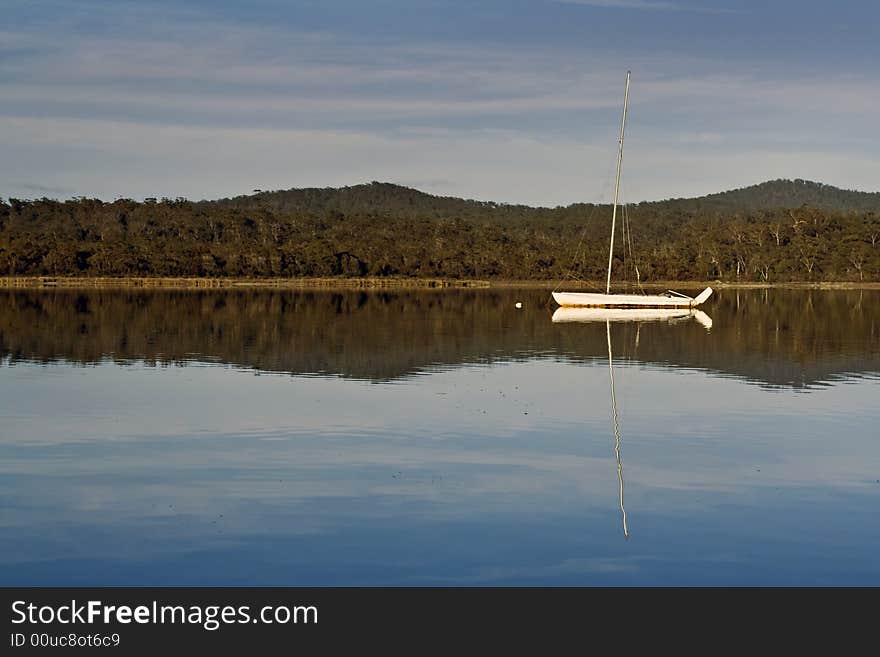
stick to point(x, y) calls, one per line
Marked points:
point(776, 337)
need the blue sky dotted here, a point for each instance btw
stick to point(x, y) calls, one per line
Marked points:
point(510, 100)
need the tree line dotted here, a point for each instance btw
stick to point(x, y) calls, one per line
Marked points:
point(385, 230)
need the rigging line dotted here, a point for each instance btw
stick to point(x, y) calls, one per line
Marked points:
point(626, 237)
point(604, 188)
point(629, 259)
point(627, 241)
point(623, 259)
point(636, 266)
point(577, 248)
point(635, 261)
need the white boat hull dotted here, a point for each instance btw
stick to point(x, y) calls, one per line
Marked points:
point(598, 300)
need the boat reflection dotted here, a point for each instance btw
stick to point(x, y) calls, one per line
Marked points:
point(564, 314)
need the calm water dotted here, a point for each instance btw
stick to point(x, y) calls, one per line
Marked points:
point(444, 437)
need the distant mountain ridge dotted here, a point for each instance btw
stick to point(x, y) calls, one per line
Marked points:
point(394, 199)
point(783, 193)
point(375, 197)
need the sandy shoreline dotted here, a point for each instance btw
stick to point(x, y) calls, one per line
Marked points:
point(166, 283)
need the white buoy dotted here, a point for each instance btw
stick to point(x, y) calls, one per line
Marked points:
point(519, 304)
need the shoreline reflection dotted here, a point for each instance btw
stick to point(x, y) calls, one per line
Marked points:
point(780, 338)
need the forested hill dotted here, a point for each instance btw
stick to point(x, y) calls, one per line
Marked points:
point(776, 231)
point(386, 199)
point(784, 194)
point(396, 200)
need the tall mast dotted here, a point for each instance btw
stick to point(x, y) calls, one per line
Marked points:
point(617, 184)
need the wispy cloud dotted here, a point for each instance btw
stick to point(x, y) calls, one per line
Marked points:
point(624, 4)
point(650, 5)
point(43, 189)
point(254, 75)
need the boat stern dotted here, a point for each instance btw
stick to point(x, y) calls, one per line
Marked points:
point(702, 296)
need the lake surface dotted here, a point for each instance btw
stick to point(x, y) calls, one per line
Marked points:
point(435, 438)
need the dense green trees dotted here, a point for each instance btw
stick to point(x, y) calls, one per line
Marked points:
point(762, 233)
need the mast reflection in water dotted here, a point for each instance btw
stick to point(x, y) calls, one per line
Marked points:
point(638, 315)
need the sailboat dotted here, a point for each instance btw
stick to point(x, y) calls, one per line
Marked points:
point(669, 299)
